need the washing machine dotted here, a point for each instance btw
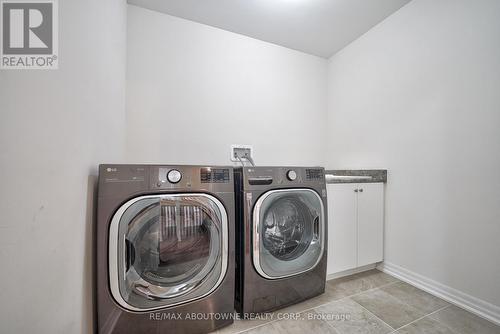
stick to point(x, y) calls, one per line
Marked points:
point(281, 237)
point(165, 249)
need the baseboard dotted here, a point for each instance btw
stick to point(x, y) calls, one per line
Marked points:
point(472, 304)
point(350, 271)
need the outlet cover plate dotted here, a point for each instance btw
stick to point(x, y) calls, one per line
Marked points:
point(241, 150)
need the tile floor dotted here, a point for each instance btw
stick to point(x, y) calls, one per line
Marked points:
point(369, 302)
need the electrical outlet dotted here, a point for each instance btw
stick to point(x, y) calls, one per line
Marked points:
point(242, 151)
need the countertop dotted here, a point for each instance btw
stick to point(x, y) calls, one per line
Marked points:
point(356, 175)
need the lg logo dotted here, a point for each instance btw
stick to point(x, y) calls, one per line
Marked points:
point(29, 29)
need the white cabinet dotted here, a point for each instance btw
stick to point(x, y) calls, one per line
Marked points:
point(355, 225)
point(342, 229)
point(370, 223)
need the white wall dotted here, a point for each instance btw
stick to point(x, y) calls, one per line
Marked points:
point(193, 90)
point(55, 127)
point(419, 94)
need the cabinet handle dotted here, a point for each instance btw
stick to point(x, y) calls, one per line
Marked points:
point(361, 190)
point(355, 190)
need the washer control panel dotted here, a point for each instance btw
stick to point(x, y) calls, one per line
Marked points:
point(291, 176)
point(315, 174)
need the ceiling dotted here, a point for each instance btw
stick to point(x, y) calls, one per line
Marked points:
point(318, 27)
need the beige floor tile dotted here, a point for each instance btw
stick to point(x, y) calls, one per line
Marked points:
point(348, 317)
point(417, 298)
point(389, 302)
point(463, 322)
point(266, 329)
point(241, 325)
point(376, 277)
point(425, 326)
point(340, 288)
point(354, 284)
point(344, 287)
point(391, 310)
point(327, 297)
point(305, 324)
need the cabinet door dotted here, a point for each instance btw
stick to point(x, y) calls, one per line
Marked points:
point(341, 227)
point(370, 223)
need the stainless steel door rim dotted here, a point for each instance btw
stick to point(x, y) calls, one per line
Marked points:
point(158, 292)
point(258, 238)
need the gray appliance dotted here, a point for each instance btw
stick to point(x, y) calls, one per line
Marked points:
point(165, 248)
point(281, 233)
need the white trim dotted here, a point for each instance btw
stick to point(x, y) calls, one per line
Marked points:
point(472, 304)
point(350, 271)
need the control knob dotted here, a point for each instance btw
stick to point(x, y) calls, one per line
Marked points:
point(291, 175)
point(174, 176)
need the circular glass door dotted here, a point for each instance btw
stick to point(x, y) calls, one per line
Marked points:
point(287, 232)
point(167, 249)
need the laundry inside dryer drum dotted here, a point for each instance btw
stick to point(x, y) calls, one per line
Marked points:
point(172, 246)
point(288, 228)
point(289, 232)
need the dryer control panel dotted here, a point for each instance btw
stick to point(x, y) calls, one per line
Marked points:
point(214, 175)
point(216, 178)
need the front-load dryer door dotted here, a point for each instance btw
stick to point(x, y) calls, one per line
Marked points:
point(288, 232)
point(166, 250)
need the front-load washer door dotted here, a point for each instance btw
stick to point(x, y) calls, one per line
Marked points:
point(288, 232)
point(166, 250)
